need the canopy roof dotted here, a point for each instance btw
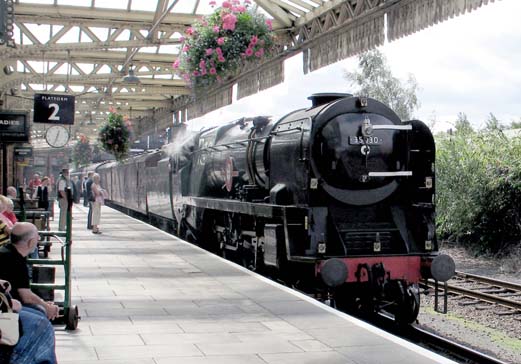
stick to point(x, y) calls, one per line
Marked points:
point(87, 47)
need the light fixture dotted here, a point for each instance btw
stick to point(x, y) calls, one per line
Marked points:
point(131, 77)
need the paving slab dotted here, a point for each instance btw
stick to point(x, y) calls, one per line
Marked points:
point(146, 297)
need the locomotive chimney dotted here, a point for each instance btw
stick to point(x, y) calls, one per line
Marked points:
point(326, 97)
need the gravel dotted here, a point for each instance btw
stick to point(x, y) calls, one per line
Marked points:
point(476, 325)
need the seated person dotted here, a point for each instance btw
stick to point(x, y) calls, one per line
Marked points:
point(5, 224)
point(36, 344)
point(11, 192)
point(9, 213)
point(13, 267)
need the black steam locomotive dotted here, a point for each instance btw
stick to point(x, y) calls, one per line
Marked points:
point(336, 199)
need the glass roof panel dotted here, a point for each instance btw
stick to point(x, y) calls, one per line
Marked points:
point(184, 7)
point(146, 5)
point(75, 2)
point(112, 4)
point(37, 1)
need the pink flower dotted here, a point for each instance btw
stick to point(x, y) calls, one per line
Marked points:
point(235, 2)
point(226, 4)
point(254, 39)
point(203, 71)
point(213, 71)
point(186, 77)
point(240, 9)
point(269, 23)
point(247, 1)
point(259, 53)
point(216, 29)
point(176, 64)
point(209, 51)
point(186, 48)
point(220, 41)
point(249, 52)
point(219, 51)
point(221, 59)
point(110, 141)
point(196, 73)
point(212, 3)
point(219, 79)
point(181, 39)
point(202, 64)
point(229, 21)
point(189, 31)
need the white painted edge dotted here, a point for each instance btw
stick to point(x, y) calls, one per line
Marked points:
point(410, 346)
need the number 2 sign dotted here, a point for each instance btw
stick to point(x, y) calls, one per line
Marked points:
point(53, 109)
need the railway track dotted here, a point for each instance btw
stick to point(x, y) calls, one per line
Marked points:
point(479, 289)
point(441, 345)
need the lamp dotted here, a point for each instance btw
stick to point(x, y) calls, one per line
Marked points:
point(131, 77)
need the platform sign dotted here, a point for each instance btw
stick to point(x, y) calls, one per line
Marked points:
point(14, 127)
point(23, 152)
point(53, 109)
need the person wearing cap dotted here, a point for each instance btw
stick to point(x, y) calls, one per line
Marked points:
point(63, 184)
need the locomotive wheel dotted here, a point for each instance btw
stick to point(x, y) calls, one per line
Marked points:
point(72, 317)
point(408, 305)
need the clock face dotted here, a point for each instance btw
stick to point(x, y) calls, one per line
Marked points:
point(57, 136)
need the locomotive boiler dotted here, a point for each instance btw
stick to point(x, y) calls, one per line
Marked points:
point(336, 199)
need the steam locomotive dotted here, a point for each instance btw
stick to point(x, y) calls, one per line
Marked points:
point(336, 199)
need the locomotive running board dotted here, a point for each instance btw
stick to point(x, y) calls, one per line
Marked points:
point(248, 208)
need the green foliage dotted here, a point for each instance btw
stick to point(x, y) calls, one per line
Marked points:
point(218, 44)
point(463, 124)
point(375, 79)
point(479, 189)
point(82, 152)
point(515, 124)
point(114, 136)
point(493, 123)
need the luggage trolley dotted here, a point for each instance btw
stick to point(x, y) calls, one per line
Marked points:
point(69, 314)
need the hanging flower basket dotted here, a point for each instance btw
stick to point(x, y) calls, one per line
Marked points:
point(114, 135)
point(82, 151)
point(218, 44)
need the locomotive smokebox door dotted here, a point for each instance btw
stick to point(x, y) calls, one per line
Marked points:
point(273, 233)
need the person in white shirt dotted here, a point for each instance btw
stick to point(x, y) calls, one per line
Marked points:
point(63, 184)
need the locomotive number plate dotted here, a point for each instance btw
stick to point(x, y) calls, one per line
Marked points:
point(370, 140)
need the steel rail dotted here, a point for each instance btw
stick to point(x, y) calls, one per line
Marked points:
point(444, 345)
point(491, 281)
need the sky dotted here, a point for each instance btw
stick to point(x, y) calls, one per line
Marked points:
point(469, 64)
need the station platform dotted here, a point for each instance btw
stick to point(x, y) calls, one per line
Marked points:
point(146, 297)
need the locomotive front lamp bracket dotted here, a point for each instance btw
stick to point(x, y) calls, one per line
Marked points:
point(392, 127)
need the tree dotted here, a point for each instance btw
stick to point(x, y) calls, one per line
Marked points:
point(493, 123)
point(374, 79)
point(515, 124)
point(462, 124)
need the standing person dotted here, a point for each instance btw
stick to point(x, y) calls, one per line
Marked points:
point(99, 200)
point(63, 184)
point(42, 194)
point(88, 188)
point(79, 190)
point(75, 189)
point(84, 191)
point(34, 182)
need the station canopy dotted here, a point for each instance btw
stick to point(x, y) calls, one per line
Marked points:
point(119, 53)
